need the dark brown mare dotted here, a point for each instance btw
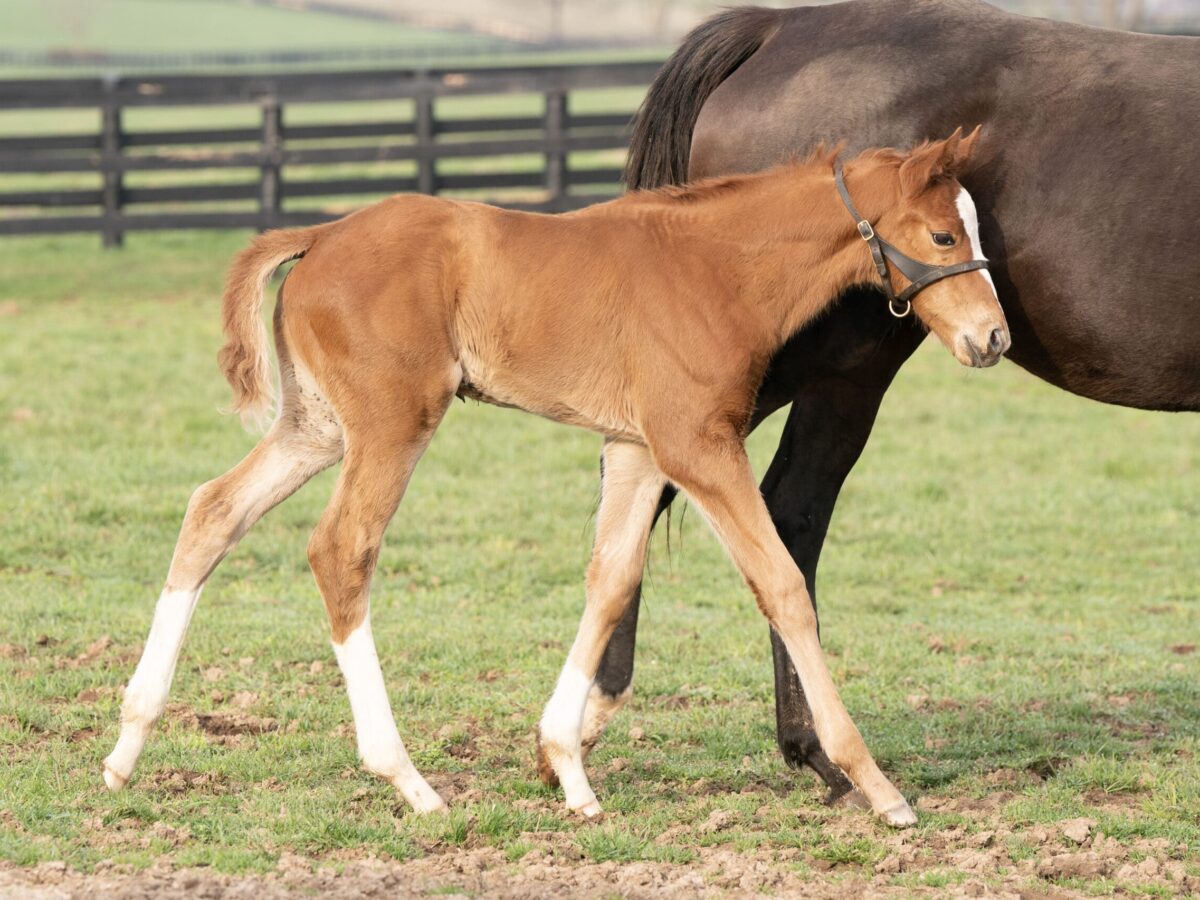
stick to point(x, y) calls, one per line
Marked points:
point(1088, 188)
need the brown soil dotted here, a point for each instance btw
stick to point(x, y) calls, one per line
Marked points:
point(988, 858)
point(483, 872)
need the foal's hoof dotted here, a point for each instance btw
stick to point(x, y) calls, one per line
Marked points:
point(423, 799)
point(113, 779)
point(544, 769)
point(590, 810)
point(899, 816)
point(431, 808)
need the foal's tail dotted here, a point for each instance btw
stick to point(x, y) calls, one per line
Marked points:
point(662, 132)
point(244, 359)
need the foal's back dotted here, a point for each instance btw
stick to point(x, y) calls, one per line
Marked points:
point(555, 314)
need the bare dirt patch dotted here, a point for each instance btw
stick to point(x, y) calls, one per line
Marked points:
point(183, 781)
point(983, 855)
point(482, 872)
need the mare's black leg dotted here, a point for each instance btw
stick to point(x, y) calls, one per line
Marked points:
point(830, 420)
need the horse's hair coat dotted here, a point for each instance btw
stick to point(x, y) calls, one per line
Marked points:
point(649, 319)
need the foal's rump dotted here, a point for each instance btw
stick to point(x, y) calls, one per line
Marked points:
point(370, 285)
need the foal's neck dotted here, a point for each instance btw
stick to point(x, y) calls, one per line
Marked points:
point(793, 243)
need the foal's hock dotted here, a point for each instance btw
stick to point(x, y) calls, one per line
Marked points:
point(649, 319)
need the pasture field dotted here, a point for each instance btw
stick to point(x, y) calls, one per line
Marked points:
point(153, 27)
point(1010, 598)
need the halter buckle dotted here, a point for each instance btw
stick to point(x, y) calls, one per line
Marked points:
point(866, 231)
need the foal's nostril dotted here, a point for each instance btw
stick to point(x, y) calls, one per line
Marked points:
point(996, 341)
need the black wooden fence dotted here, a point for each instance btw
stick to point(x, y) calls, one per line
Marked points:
point(422, 137)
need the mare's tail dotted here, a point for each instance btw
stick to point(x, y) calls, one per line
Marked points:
point(244, 359)
point(662, 131)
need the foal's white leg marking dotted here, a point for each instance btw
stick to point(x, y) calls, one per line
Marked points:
point(146, 695)
point(379, 743)
point(601, 708)
point(560, 732)
point(970, 219)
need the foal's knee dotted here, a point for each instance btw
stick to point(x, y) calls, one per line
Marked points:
point(786, 603)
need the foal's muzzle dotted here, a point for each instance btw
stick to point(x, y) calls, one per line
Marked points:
point(998, 342)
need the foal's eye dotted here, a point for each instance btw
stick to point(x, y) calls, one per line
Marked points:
point(943, 238)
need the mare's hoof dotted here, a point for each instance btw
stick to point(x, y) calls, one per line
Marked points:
point(113, 779)
point(899, 816)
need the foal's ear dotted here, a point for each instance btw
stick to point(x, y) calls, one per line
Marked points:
point(935, 160)
point(966, 149)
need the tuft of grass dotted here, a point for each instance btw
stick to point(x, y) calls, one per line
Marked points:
point(607, 843)
point(854, 852)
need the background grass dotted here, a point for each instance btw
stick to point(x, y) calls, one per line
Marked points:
point(1005, 579)
point(153, 26)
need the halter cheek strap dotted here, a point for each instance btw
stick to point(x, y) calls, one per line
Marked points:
point(922, 275)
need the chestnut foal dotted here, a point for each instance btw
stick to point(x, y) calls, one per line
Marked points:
point(649, 319)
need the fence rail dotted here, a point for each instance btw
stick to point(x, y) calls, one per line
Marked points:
point(422, 139)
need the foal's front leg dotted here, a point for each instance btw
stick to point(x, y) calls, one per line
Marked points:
point(629, 500)
point(613, 686)
point(721, 482)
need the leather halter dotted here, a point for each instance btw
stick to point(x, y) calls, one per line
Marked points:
point(922, 275)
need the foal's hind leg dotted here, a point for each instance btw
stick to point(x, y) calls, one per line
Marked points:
point(720, 481)
point(382, 451)
point(631, 491)
point(218, 515)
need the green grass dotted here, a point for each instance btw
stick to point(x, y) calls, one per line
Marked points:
point(153, 26)
point(1023, 559)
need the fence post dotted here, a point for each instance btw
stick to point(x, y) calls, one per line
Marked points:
point(426, 136)
point(556, 153)
point(111, 139)
point(270, 194)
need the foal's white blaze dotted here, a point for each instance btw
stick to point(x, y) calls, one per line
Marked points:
point(146, 695)
point(561, 732)
point(970, 219)
point(379, 743)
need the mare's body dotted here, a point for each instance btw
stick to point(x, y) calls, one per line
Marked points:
point(1087, 185)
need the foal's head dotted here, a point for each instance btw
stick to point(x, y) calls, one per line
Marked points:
point(934, 221)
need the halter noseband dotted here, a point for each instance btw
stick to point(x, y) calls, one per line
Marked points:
point(922, 275)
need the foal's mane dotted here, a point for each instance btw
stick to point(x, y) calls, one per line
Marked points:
point(821, 158)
